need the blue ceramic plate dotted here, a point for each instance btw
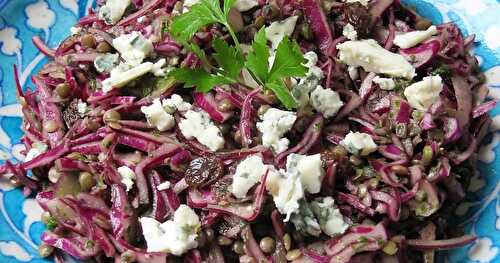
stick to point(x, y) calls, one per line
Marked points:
point(20, 20)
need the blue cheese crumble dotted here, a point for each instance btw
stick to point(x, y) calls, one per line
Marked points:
point(423, 94)
point(113, 11)
point(359, 143)
point(413, 38)
point(275, 123)
point(106, 62)
point(128, 176)
point(304, 173)
point(175, 236)
point(157, 116)
point(330, 219)
point(384, 83)
point(197, 124)
point(248, 173)
point(326, 101)
point(374, 58)
point(310, 81)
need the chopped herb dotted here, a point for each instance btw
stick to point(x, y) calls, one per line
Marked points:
point(288, 60)
point(51, 223)
point(89, 244)
point(443, 71)
point(156, 133)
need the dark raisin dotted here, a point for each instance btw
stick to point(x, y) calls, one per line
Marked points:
point(70, 114)
point(358, 16)
point(204, 171)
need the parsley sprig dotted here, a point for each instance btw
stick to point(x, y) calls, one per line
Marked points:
point(288, 59)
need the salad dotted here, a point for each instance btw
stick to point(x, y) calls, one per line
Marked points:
point(253, 131)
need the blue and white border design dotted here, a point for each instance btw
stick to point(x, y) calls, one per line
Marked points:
point(20, 20)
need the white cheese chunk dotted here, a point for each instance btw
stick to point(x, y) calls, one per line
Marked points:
point(245, 5)
point(349, 32)
point(413, 38)
point(326, 101)
point(287, 190)
point(310, 81)
point(157, 116)
point(175, 236)
point(133, 47)
point(37, 149)
point(423, 94)
point(248, 173)
point(185, 7)
point(359, 143)
point(353, 72)
point(303, 174)
point(190, 3)
point(159, 69)
point(82, 108)
point(305, 221)
point(374, 58)
point(363, 2)
point(75, 30)
point(106, 62)
point(128, 176)
point(384, 83)
point(330, 219)
point(113, 10)
point(122, 75)
point(176, 103)
point(197, 124)
point(163, 186)
point(275, 123)
point(309, 168)
point(279, 29)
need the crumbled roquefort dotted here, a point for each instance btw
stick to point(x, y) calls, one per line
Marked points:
point(330, 219)
point(245, 5)
point(157, 116)
point(248, 173)
point(275, 123)
point(349, 32)
point(175, 236)
point(128, 176)
point(36, 149)
point(374, 58)
point(326, 101)
point(279, 29)
point(113, 10)
point(304, 220)
point(106, 62)
point(359, 143)
point(197, 124)
point(423, 94)
point(384, 83)
point(413, 38)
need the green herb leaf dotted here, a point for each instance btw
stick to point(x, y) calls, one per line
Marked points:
point(51, 223)
point(288, 62)
point(202, 80)
point(283, 94)
point(229, 58)
point(258, 59)
point(443, 70)
point(183, 27)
